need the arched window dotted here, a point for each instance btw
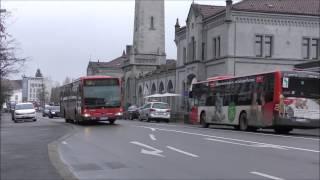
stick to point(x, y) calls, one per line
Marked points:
point(161, 88)
point(170, 87)
point(153, 89)
point(140, 96)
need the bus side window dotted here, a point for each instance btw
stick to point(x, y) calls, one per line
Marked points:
point(209, 101)
point(269, 88)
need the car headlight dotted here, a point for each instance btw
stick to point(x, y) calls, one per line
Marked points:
point(119, 114)
point(53, 112)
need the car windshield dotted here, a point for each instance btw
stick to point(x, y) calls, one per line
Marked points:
point(100, 93)
point(132, 107)
point(24, 106)
point(160, 106)
point(55, 108)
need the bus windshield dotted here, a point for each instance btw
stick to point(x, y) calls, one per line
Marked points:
point(102, 93)
point(301, 87)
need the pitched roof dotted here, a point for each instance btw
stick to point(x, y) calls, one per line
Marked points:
point(302, 7)
point(208, 10)
point(116, 63)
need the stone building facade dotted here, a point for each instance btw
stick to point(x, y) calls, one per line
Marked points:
point(244, 38)
point(32, 88)
point(111, 68)
point(236, 39)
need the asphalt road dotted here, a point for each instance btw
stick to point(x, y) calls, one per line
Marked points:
point(140, 150)
point(24, 148)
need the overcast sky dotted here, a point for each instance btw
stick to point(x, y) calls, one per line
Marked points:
point(60, 37)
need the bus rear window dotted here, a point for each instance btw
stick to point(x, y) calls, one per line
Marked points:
point(101, 82)
point(301, 87)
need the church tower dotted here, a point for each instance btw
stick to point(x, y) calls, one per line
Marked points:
point(149, 34)
point(148, 49)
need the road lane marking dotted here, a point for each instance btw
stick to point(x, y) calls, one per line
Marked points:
point(249, 145)
point(183, 152)
point(269, 146)
point(153, 129)
point(219, 140)
point(152, 137)
point(257, 133)
point(64, 142)
point(266, 175)
point(153, 152)
point(239, 140)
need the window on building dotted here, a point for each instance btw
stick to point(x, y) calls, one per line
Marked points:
point(258, 46)
point(216, 45)
point(214, 52)
point(136, 24)
point(268, 46)
point(152, 22)
point(184, 55)
point(264, 45)
point(191, 50)
point(306, 48)
point(203, 51)
point(315, 49)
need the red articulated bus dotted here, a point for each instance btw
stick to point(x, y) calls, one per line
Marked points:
point(281, 100)
point(92, 98)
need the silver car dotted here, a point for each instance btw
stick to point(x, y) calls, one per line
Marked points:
point(24, 111)
point(155, 111)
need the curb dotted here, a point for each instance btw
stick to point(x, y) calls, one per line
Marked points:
point(56, 160)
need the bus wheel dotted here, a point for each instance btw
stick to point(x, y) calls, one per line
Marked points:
point(243, 122)
point(282, 130)
point(203, 120)
point(111, 121)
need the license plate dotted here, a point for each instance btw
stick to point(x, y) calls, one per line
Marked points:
point(301, 120)
point(104, 118)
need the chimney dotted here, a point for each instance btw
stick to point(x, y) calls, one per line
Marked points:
point(123, 53)
point(228, 10)
point(177, 26)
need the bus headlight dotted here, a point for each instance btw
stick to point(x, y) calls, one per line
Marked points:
point(86, 115)
point(119, 114)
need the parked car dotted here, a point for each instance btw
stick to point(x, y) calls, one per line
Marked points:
point(158, 111)
point(132, 112)
point(24, 111)
point(45, 111)
point(54, 111)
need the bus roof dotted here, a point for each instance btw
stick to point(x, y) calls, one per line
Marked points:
point(90, 77)
point(226, 77)
point(97, 77)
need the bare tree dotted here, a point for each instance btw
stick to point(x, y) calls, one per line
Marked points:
point(9, 63)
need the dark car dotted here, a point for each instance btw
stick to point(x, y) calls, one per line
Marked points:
point(132, 112)
point(54, 111)
point(45, 111)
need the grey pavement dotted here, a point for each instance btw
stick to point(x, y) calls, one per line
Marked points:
point(140, 150)
point(24, 148)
